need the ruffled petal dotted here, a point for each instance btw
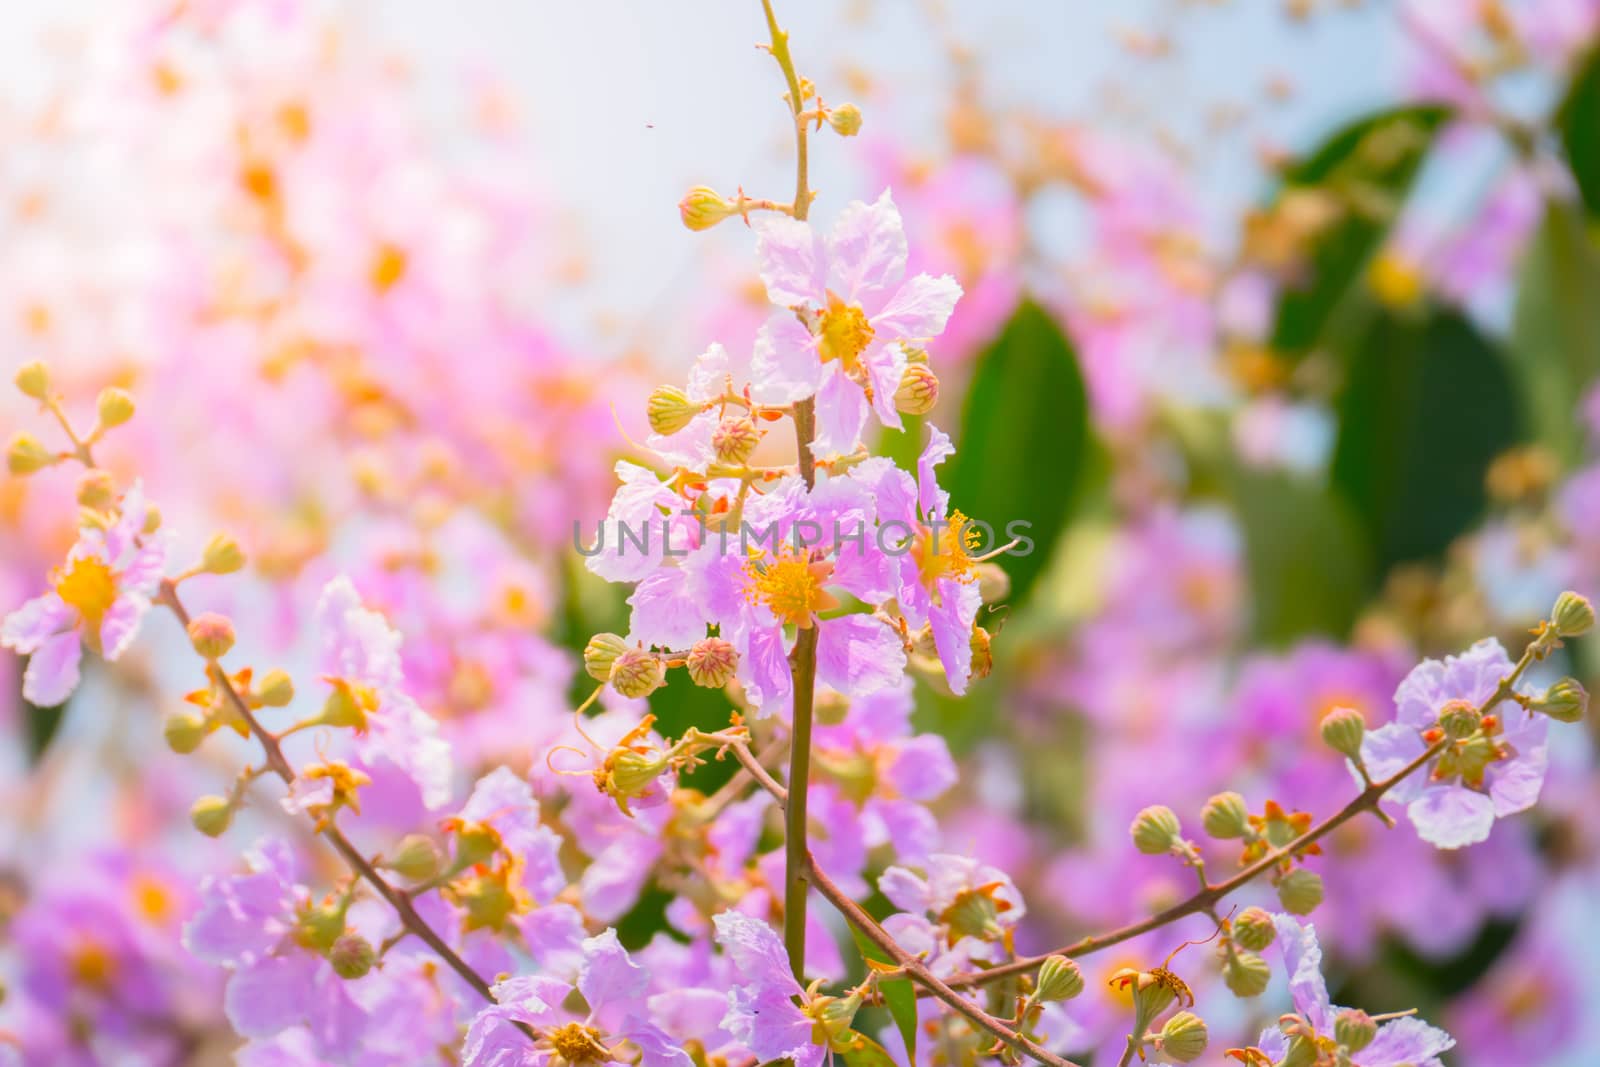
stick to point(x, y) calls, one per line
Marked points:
point(790, 258)
point(52, 672)
point(1451, 816)
point(866, 250)
point(919, 309)
point(858, 654)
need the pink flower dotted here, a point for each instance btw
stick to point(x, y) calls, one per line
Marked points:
point(98, 598)
point(762, 1014)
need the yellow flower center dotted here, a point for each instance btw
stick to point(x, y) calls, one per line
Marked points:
point(388, 267)
point(578, 1044)
point(845, 334)
point(791, 585)
point(92, 964)
point(90, 587)
point(945, 551)
point(152, 900)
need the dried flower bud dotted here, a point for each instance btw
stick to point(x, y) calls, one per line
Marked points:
point(97, 490)
point(222, 555)
point(352, 956)
point(1343, 730)
point(1573, 615)
point(711, 663)
point(1226, 816)
point(1246, 973)
point(735, 439)
point(918, 391)
point(833, 1017)
point(1184, 1037)
point(1253, 929)
point(418, 858)
point(703, 207)
point(211, 815)
point(994, 584)
point(670, 409)
point(1156, 830)
point(1459, 718)
point(922, 643)
point(275, 689)
point(25, 454)
point(1059, 979)
point(183, 732)
point(845, 120)
point(600, 653)
point(982, 652)
point(211, 634)
point(114, 407)
point(34, 380)
point(1300, 891)
point(1565, 701)
point(637, 673)
point(1354, 1029)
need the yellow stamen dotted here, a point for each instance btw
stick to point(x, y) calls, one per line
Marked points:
point(578, 1044)
point(945, 551)
point(791, 585)
point(845, 333)
point(88, 586)
point(388, 267)
point(92, 964)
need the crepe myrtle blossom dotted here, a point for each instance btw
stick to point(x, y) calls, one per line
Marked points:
point(1318, 1032)
point(97, 598)
point(850, 317)
point(1493, 766)
point(962, 910)
point(361, 660)
point(613, 988)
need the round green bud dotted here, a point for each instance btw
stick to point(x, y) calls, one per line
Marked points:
point(97, 490)
point(1565, 701)
point(211, 815)
point(703, 207)
point(637, 673)
point(1246, 973)
point(918, 391)
point(994, 584)
point(114, 407)
point(1300, 891)
point(34, 380)
point(1183, 1038)
point(600, 653)
point(711, 663)
point(183, 732)
point(735, 439)
point(1059, 979)
point(211, 634)
point(321, 925)
point(845, 120)
point(25, 455)
point(1459, 718)
point(352, 956)
point(670, 409)
point(1573, 615)
point(1156, 830)
point(1226, 816)
point(222, 555)
point(1354, 1029)
point(1343, 730)
point(1253, 929)
point(418, 858)
point(275, 689)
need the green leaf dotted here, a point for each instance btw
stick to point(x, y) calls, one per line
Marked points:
point(1555, 338)
point(680, 704)
point(1578, 120)
point(899, 996)
point(862, 1051)
point(1427, 404)
point(1024, 436)
point(1367, 168)
point(1308, 559)
point(40, 725)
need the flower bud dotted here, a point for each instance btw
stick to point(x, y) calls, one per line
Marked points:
point(918, 391)
point(833, 1017)
point(1565, 701)
point(1354, 1029)
point(114, 407)
point(1343, 730)
point(922, 643)
point(211, 815)
point(96, 490)
point(703, 207)
point(418, 858)
point(319, 926)
point(670, 409)
point(1184, 1037)
point(1246, 973)
point(1059, 979)
point(275, 689)
point(1573, 615)
point(711, 663)
point(982, 652)
point(352, 956)
point(1226, 816)
point(25, 455)
point(1300, 891)
point(600, 653)
point(1155, 830)
point(735, 439)
point(1253, 929)
point(845, 120)
point(152, 520)
point(222, 555)
point(1459, 718)
point(183, 732)
point(994, 584)
point(34, 380)
point(637, 673)
point(211, 634)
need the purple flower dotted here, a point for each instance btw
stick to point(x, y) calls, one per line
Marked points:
point(97, 598)
point(857, 316)
point(762, 1013)
point(955, 913)
point(1494, 772)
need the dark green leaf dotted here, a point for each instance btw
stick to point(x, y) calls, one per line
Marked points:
point(40, 724)
point(1578, 119)
point(681, 704)
point(899, 996)
point(1427, 404)
point(1366, 169)
point(1556, 334)
point(1024, 434)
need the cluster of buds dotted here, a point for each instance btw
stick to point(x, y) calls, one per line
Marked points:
point(324, 929)
point(1183, 1037)
point(26, 454)
point(1227, 817)
point(636, 672)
